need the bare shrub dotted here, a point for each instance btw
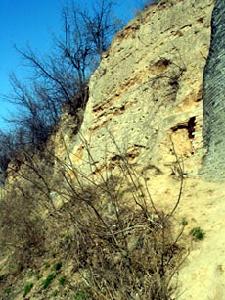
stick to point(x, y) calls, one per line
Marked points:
point(134, 261)
point(122, 248)
point(122, 245)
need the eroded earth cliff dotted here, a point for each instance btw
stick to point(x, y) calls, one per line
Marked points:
point(146, 101)
point(146, 106)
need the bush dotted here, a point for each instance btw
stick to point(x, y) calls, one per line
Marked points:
point(126, 248)
point(129, 251)
point(198, 233)
point(8, 291)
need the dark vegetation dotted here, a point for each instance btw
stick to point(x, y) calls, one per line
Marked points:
point(197, 233)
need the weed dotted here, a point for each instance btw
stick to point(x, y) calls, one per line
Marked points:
point(48, 280)
point(38, 276)
point(62, 280)
point(198, 233)
point(27, 288)
point(81, 295)
point(184, 222)
point(46, 265)
point(2, 278)
point(8, 290)
point(55, 293)
point(58, 266)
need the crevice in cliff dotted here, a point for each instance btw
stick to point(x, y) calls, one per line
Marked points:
point(189, 125)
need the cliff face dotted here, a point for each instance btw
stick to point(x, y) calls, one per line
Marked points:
point(146, 102)
point(147, 93)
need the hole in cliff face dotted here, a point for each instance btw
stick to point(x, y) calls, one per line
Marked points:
point(190, 126)
point(200, 20)
point(159, 66)
point(117, 157)
point(163, 63)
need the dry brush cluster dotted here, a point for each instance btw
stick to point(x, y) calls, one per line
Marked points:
point(122, 246)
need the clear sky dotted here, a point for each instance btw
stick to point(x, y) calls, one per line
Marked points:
point(33, 22)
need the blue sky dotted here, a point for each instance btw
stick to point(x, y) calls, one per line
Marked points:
point(33, 22)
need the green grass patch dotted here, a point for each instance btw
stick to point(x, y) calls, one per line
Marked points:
point(62, 280)
point(48, 280)
point(81, 295)
point(27, 288)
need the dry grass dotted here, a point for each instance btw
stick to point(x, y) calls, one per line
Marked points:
point(22, 232)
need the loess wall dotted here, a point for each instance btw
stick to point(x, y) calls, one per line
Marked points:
point(146, 96)
point(146, 103)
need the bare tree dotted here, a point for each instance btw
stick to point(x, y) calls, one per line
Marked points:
point(37, 113)
point(65, 72)
point(60, 80)
point(5, 151)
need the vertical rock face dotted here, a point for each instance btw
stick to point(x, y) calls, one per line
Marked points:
point(146, 94)
point(214, 97)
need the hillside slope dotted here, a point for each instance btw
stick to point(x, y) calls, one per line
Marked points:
point(146, 109)
point(146, 97)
